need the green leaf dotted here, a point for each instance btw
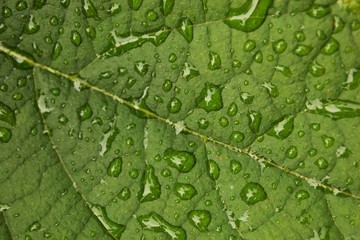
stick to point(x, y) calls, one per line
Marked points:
point(179, 119)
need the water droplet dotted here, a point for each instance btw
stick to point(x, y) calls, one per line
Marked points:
point(283, 129)
point(115, 167)
point(150, 188)
point(355, 25)
point(258, 57)
point(271, 89)
point(249, 16)
point(322, 163)
point(279, 46)
point(118, 45)
point(124, 193)
point(302, 195)
point(343, 152)
point(35, 226)
point(7, 114)
point(31, 26)
point(184, 191)
point(299, 36)
point(90, 32)
point(21, 5)
point(63, 119)
point(255, 119)
point(166, 6)
point(154, 222)
point(89, 9)
point(114, 8)
point(54, 21)
point(183, 161)
point(339, 24)
point(65, 3)
point(316, 69)
point(84, 112)
point(253, 193)
point(56, 50)
point(335, 109)
point(235, 166)
point(75, 38)
point(292, 152)
point(214, 61)
point(249, 45)
point(318, 11)
point(246, 97)
point(302, 50)
point(223, 121)
point(200, 219)
point(174, 105)
point(112, 227)
point(237, 136)
point(328, 141)
point(166, 172)
point(5, 134)
point(210, 98)
point(330, 47)
point(167, 85)
point(37, 4)
point(151, 15)
point(353, 79)
point(189, 71)
point(6, 12)
point(213, 169)
point(203, 123)
point(141, 68)
point(232, 110)
point(186, 29)
point(284, 70)
point(135, 4)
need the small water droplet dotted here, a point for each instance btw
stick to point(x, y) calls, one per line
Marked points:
point(7, 114)
point(189, 71)
point(316, 69)
point(141, 68)
point(114, 8)
point(184, 191)
point(21, 5)
point(37, 4)
point(302, 195)
point(255, 119)
point(183, 161)
point(151, 15)
point(31, 26)
point(174, 105)
point(330, 47)
point(232, 110)
point(135, 4)
point(246, 97)
point(5, 134)
point(6, 12)
point(223, 121)
point(353, 79)
point(35, 226)
point(214, 61)
point(203, 123)
point(253, 193)
point(124, 193)
point(249, 45)
point(166, 6)
point(283, 129)
point(318, 11)
point(56, 50)
point(237, 136)
point(322, 163)
point(115, 167)
point(200, 219)
point(213, 169)
point(302, 50)
point(292, 152)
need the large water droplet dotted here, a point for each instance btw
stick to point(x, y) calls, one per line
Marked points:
point(189, 71)
point(56, 50)
point(318, 11)
point(214, 61)
point(21, 5)
point(236, 136)
point(7, 114)
point(328, 141)
point(200, 219)
point(184, 191)
point(115, 166)
point(37, 4)
point(166, 6)
point(31, 26)
point(249, 45)
point(112, 227)
point(353, 79)
point(5, 135)
point(65, 3)
point(271, 89)
point(246, 97)
point(255, 119)
point(232, 110)
point(279, 46)
point(118, 45)
point(316, 69)
point(330, 47)
point(322, 163)
point(302, 50)
point(124, 193)
point(108, 138)
point(335, 109)
point(150, 188)
point(339, 24)
point(301, 195)
point(141, 68)
point(253, 193)
point(174, 105)
point(249, 16)
point(283, 129)
point(213, 169)
point(89, 9)
point(292, 152)
point(135, 4)
point(154, 222)
point(84, 112)
point(183, 161)
point(235, 166)
point(284, 70)
point(75, 38)
point(210, 98)
point(186, 29)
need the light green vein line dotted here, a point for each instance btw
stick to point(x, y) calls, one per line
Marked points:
point(179, 125)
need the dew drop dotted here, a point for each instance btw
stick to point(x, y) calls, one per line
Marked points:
point(210, 98)
point(35, 226)
point(174, 105)
point(203, 123)
point(353, 79)
point(114, 8)
point(135, 4)
point(255, 119)
point(166, 6)
point(235, 166)
point(167, 85)
point(334, 109)
point(124, 193)
point(214, 61)
point(279, 46)
point(84, 112)
point(151, 15)
point(302, 195)
point(6, 12)
point(200, 219)
point(316, 69)
point(31, 26)
point(223, 121)
point(115, 167)
point(318, 11)
point(21, 5)
point(56, 50)
point(321, 163)
point(184, 191)
point(283, 129)
point(232, 110)
point(37, 4)
point(189, 71)
point(249, 45)
point(249, 16)
point(237, 136)
point(186, 29)
point(253, 193)
point(339, 24)
point(141, 68)
point(183, 161)
point(302, 50)
point(7, 114)
point(330, 47)
point(213, 169)
point(75, 38)
point(292, 152)
point(246, 97)
point(271, 89)
point(150, 188)
point(5, 135)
